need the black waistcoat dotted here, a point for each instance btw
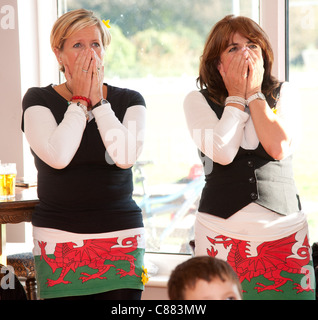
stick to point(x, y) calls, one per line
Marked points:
point(253, 176)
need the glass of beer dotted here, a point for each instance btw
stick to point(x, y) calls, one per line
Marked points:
point(8, 172)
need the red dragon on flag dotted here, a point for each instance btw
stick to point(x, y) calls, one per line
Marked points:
point(94, 253)
point(271, 260)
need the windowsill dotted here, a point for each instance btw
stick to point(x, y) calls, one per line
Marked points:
point(165, 264)
point(159, 266)
point(158, 281)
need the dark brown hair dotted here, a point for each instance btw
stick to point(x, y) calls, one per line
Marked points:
point(186, 274)
point(218, 40)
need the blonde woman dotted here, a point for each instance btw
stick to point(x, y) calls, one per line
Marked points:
point(245, 124)
point(85, 136)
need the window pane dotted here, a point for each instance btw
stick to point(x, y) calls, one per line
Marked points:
point(155, 49)
point(303, 73)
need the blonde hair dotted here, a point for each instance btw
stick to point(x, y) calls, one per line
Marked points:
point(74, 21)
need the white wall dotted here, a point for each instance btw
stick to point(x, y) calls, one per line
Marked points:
point(11, 140)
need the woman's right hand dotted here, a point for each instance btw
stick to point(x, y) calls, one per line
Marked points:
point(235, 77)
point(96, 93)
point(80, 79)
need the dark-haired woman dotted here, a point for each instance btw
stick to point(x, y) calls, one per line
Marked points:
point(245, 125)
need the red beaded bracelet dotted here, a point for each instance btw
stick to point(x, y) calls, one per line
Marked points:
point(82, 98)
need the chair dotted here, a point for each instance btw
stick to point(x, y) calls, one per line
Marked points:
point(10, 286)
point(23, 264)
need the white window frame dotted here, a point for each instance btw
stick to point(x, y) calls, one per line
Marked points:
point(38, 66)
point(274, 21)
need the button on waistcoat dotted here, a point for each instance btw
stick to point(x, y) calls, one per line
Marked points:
point(253, 176)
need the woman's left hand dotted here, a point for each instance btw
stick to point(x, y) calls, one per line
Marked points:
point(96, 93)
point(256, 72)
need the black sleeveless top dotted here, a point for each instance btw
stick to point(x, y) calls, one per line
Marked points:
point(89, 195)
point(253, 176)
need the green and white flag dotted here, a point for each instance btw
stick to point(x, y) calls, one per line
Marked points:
point(271, 270)
point(89, 266)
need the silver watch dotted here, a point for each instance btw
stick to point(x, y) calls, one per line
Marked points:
point(258, 95)
point(99, 103)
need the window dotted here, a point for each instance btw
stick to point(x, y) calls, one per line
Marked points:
point(155, 49)
point(303, 53)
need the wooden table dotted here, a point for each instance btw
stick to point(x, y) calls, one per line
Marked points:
point(16, 210)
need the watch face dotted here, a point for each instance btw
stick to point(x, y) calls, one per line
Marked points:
point(99, 103)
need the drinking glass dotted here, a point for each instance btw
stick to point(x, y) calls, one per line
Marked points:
point(8, 172)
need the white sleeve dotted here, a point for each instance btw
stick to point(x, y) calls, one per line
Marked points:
point(54, 144)
point(123, 141)
point(221, 139)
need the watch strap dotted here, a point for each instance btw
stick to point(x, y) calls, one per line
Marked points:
point(258, 95)
point(99, 103)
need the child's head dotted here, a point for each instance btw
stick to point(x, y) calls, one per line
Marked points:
point(204, 278)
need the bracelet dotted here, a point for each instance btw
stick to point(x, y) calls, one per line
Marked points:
point(82, 98)
point(84, 108)
point(235, 100)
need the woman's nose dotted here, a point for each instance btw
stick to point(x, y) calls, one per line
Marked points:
point(245, 51)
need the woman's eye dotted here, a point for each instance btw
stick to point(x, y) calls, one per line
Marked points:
point(253, 46)
point(77, 45)
point(96, 44)
point(233, 49)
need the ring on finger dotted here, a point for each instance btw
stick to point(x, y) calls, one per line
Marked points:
point(84, 70)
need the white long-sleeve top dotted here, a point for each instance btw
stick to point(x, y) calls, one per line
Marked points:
point(221, 139)
point(56, 144)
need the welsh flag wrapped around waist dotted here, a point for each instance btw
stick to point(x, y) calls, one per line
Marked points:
point(281, 269)
point(89, 266)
